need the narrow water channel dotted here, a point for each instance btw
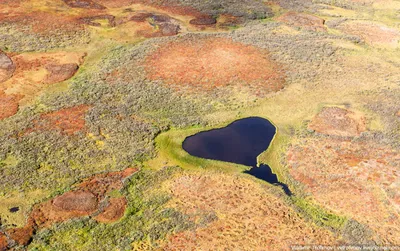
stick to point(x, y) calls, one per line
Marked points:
point(240, 142)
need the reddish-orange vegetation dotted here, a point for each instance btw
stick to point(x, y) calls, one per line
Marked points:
point(339, 122)
point(372, 33)
point(356, 179)
point(7, 67)
point(248, 216)
point(302, 20)
point(3, 242)
point(212, 62)
point(85, 200)
point(8, 105)
point(60, 72)
point(67, 121)
point(22, 235)
point(41, 21)
point(114, 211)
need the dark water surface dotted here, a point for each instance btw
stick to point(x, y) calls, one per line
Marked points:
point(240, 142)
point(14, 209)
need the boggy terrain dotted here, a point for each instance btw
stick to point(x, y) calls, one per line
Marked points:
point(97, 96)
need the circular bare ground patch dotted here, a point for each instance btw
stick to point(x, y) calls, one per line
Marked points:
point(212, 62)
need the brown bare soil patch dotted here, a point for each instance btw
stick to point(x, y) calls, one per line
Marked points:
point(357, 179)
point(114, 211)
point(302, 20)
point(68, 121)
point(203, 21)
point(86, 4)
point(248, 216)
point(8, 105)
point(372, 33)
point(60, 72)
point(7, 67)
point(339, 122)
point(212, 62)
point(76, 201)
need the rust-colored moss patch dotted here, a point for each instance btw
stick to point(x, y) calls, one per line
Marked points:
point(8, 105)
point(302, 20)
point(339, 122)
point(114, 211)
point(212, 62)
point(3, 242)
point(357, 179)
point(372, 33)
point(68, 121)
point(247, 216)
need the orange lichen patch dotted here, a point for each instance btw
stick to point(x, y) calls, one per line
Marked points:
point(302, 20)
point(372, 33)
point(7, 67)
point(114, 211)
point(357, 179)
point(3, 242)
point(339, 122)
point(68, 121)
point(60, 72)
point(8, 105)
point(212, 62)
point(243, 208)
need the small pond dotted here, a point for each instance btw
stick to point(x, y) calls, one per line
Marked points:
point(240, 142)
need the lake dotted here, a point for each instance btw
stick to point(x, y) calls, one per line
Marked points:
point(240, 142)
